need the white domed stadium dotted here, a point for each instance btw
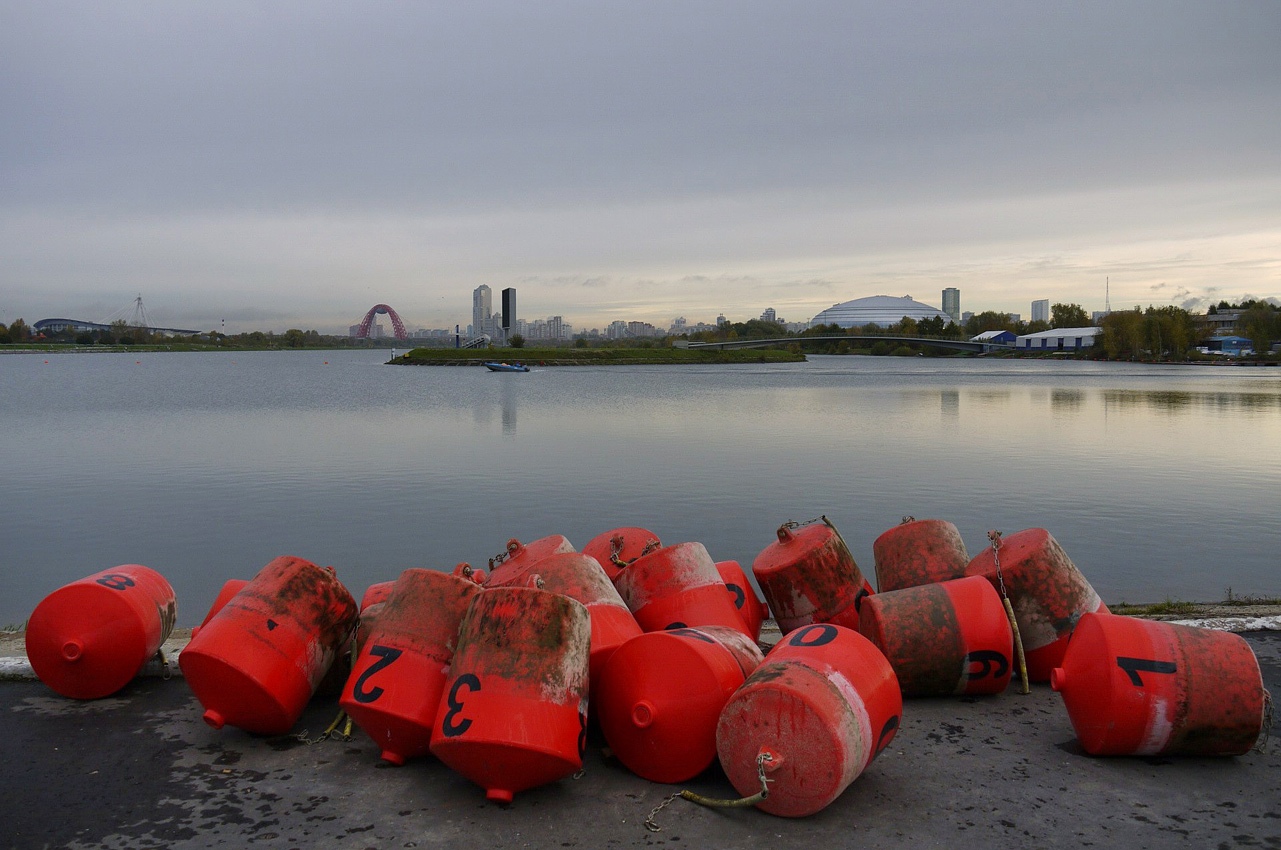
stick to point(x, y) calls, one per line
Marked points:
point(883, 310)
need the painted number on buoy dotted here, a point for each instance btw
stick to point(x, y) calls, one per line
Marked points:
point(887, 735)
point(990, 659)
point(385, 655)
point(740, 598)
point(116, 581)
point(822, 634)
point(1134, 666)
point(451, 726)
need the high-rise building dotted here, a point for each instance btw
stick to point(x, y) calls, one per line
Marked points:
point(1041, 310)
point(481, 309)
point(952, 303)
point(769, 315)
point(509, 309)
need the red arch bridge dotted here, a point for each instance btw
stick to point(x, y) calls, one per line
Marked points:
point(397, 326)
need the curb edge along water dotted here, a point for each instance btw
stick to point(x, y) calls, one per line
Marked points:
point(17, 668)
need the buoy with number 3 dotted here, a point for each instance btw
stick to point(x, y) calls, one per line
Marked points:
point(810, 719)
point(397, 678)
point(1146, 688)
point(258, 661)
point(514, 712)
point(88, 639)
point(942, 639)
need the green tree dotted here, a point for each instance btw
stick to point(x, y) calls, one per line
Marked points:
point(19, 331)
point(988, 320)
point(1068, 316)
point(294, 338)
point(932, 326)
point(1259, 323)
point(1123, 333)
point(516, 341)
point(1168, 331)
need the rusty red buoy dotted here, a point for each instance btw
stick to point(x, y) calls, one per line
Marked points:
point(750, 607)
point(822, 705)
point(519, 555)
point(1046, 590)
point(661, 694)
point(89, 638)
point(398, 676)
point(1146, 688)
point(942, 639)
point(581, 577)
point(258, 661)
point(677, 586)
point(514, 712)
point(917, 552)
point(809, 576)
point(376, 593)
point(470, 573)
point(618, 547)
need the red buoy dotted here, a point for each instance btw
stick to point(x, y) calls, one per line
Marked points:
point(677, 586)
point(660, 696)
point(398, 676)
point(750, 607)
point(230, 588)
point(514, 712)
point(1047, 591)
point(376, 593)
point(917, 552)
point(88, 639)
point(813, 716)
point(1145, 688)
point(941, 639)
point(519, 555)
point(581, 577)
point(809, 576)
point(618, 547)
point(470, 573)
point(258, 661)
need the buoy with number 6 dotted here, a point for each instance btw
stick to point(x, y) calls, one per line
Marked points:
point(810, 719)
point(514, 712)
point(88, 639)
point(1146, 688)
point(942, 639)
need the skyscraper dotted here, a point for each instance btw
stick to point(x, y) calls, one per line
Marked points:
point(1041, 310)
point(509, 309)
point(481, 307)
point(952, 303)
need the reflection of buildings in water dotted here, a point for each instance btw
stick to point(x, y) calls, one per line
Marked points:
point(1182, 401)
point(988, 398)
point(1066, 401)
point(509, 408)
point(950, 403)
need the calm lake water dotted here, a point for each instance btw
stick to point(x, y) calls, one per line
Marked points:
point(1160, 482)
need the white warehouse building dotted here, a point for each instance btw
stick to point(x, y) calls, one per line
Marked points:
point(1058, 339)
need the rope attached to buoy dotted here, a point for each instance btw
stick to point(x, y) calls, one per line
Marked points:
point(1266, 732)
point(995, 537)
point(166, 672)
point(331, 731)
point(712, 802)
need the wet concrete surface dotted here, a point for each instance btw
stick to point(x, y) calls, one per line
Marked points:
point(141, 770)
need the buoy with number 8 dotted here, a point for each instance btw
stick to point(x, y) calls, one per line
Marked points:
point(397, 678)
point(89, 638)
point(1146, 688)
point(810, 719)
point(514, 712)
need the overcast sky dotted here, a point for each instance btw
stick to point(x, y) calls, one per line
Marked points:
point(292, 164)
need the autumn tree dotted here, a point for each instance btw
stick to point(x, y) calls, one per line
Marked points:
point(1068, 316)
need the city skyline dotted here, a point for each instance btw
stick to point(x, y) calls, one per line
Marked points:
point(290, 167)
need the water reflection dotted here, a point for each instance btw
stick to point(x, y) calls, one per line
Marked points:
point(950, 403)
point(1182, 401)
point(1066, 401)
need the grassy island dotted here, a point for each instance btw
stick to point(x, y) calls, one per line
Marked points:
point(591, 356)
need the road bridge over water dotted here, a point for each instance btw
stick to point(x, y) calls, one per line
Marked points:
point(955, 344)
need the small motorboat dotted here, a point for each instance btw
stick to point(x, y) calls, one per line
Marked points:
point(506, 367)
